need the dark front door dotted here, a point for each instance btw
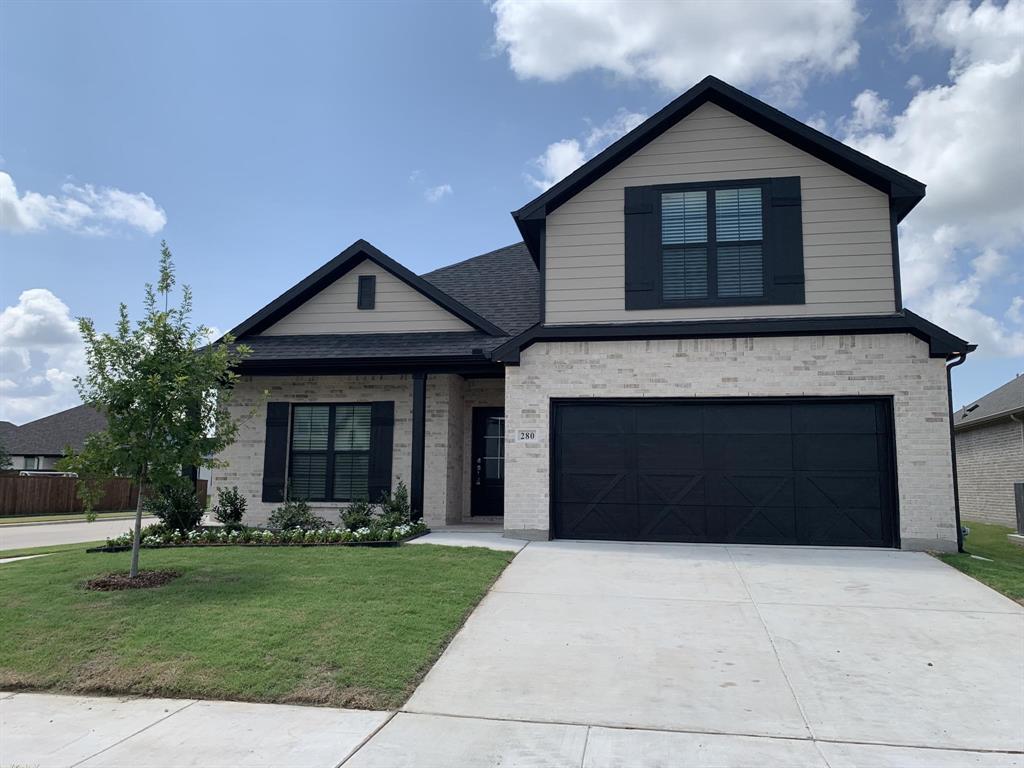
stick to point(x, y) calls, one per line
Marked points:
point(783, 471)
point(488, 467)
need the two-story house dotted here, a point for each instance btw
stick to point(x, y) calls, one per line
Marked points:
point(700, 339)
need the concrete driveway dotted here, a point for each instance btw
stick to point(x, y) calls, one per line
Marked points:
point(802, 656)
point(634, 656)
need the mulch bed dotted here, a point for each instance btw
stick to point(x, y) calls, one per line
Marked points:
point(145, 579)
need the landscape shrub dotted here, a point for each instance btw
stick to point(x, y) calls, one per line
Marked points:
point(177, 507)
point(230, 507)
point(358, 514)
point(394, 507)
point(295, 513)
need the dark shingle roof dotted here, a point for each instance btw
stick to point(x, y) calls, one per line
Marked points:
point(49, 435)
point(1003, 401)
point(503, 286)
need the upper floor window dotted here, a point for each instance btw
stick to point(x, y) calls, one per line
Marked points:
point(712, 244)
point(367, 294)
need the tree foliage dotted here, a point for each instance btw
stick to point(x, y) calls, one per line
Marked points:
point(164, 389)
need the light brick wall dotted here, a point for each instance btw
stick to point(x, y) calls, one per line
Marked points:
point(244, 458)
point(443, 436)
point(442, 462)
point(478, 393)
point(989, 460)
point(875, 364)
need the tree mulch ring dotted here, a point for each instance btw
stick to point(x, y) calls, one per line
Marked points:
point(145, 579)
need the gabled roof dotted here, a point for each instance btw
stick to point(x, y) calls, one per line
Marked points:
point(352, 256)
point(904, 191)
point(502, 285)
point(50, 435)
point(998, 404)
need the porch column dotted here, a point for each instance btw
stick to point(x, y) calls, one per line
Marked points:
point(419, 413)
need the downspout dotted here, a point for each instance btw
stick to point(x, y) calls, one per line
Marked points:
point(952, 446)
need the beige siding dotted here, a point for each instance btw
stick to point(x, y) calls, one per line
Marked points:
point(399, 309)
point(847, 248)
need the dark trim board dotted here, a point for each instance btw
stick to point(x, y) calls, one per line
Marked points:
point(467, 365)
point(419, 411)
point(887, 535)
point(941, 343)
point(345, 261)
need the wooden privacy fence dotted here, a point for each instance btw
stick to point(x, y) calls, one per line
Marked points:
point(41, 495)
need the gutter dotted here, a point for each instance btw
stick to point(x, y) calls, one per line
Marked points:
point(960, 358)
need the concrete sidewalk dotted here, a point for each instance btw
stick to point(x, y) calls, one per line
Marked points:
point(48, 731)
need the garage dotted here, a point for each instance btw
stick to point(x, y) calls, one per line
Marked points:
point(811, 471)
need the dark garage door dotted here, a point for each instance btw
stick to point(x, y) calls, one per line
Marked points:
point(731, 470)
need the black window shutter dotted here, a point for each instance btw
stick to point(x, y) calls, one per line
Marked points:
point(643, 248)
point(275, 451)
point(367, 296)
point(382, 429)
point(785, 243)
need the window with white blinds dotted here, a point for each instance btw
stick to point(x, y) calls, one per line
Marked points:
point(712, 244)
point(330, 452)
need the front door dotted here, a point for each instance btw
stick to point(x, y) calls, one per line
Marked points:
point(488, 468)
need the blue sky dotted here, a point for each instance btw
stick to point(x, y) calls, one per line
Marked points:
point(261, 139)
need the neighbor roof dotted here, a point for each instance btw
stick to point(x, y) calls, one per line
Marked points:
point(50, 435)
point(904, 191)
point(999, 403)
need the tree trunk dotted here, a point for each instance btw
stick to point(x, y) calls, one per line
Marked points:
point(137, 539)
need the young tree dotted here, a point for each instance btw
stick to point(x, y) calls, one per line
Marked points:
point(5, 458)
point(164, 390)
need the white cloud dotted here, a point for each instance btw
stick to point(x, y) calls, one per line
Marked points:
point(870, 112)
point(778, 45)
point(40, 354)
point(84, 209)
point(435, 194)
point(962, 139)
point(563, 157)
point(914, 82)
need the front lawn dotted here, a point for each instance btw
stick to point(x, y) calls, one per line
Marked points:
point(323, 625)
point(1003, 566)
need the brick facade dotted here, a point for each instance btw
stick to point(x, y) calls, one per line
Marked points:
point(894, 365)
point(989, 460)
point(447, 438)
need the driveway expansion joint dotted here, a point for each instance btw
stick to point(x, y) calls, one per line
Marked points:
point(134, 734)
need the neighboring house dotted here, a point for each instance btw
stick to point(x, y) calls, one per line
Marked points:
point(990, 454)
point(701, 338)
point(38, 444)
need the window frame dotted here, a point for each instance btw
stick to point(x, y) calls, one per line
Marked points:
point(330, 451)
point(711, 245)
point(366, 292)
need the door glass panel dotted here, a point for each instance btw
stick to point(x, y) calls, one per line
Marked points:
point(494, 448)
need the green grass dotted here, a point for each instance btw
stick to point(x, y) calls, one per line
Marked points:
point(1005, 572)
point(49, 548)
point(341, 626)
point(75, 517)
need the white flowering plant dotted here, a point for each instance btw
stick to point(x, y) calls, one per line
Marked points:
point(155, 536)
